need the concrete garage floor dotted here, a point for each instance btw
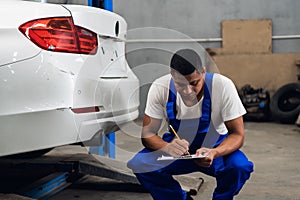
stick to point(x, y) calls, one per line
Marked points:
point(274, 149)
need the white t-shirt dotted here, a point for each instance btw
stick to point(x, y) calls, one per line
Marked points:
point(226, 104)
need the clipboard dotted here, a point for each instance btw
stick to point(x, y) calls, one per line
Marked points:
point(184, 157)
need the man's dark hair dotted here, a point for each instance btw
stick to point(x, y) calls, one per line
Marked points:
point(186, 61)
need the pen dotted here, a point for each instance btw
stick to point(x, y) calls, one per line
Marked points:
point(187, 152)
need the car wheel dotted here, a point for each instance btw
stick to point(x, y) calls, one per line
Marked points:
point(285, 103)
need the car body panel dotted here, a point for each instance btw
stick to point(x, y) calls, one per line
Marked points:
point(40, 89)
point(104, 22)
point(34, 85)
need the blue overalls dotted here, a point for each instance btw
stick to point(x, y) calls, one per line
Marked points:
point(231, 171)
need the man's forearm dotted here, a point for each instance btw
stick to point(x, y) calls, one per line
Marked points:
point(229, 145)
point(154, 142)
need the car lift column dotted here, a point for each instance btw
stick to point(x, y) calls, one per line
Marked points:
point(105, 4)
point(108, 140)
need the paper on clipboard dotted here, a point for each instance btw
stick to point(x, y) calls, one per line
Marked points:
point(193, 156)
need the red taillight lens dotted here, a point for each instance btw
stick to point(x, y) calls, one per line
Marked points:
point(61, 35)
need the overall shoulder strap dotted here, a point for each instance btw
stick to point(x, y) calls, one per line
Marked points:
point(171, 103)
point(206, 105)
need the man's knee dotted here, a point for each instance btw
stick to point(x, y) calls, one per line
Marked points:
point(146, 161)
point(242, 167)
point(137, 164)
point(239, 162)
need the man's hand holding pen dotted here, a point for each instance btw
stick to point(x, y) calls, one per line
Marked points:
point(177, 147)
point(182, 144)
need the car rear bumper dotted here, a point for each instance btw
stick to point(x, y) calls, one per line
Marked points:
point(41, 130)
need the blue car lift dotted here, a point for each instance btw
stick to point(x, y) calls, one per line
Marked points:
point(41, 178)
point(105, 4)
point(107, 146)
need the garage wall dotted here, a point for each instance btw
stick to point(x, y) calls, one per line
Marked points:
point(202, 18)
point(246, 55)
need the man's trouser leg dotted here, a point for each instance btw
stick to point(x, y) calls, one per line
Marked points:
point(162, 185)
point(232, 176)
point(156, 176)
point(231, 172)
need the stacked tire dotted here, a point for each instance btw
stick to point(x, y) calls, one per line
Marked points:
point(285, 103)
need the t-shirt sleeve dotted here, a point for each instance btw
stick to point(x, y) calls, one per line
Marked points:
point(155, 105)
point(232, 106)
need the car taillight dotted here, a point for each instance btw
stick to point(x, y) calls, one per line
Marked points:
point(61, 35)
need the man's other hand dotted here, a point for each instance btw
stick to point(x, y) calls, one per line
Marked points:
point(208, 159)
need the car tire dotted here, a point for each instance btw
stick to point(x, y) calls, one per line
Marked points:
point(285, 103)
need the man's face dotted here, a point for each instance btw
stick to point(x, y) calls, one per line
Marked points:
point(189, 86)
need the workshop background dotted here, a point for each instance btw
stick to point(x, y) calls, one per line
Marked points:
point(261, 52)
point(252, 42)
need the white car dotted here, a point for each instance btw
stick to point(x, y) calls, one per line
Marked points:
point(64, 77)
